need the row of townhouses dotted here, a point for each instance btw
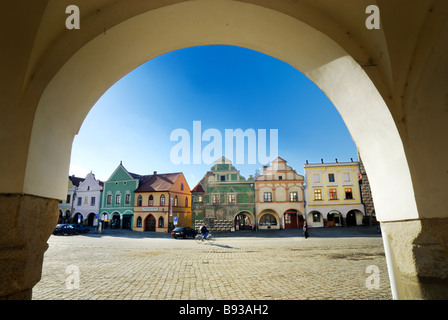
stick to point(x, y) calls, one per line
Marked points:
point(329, 195)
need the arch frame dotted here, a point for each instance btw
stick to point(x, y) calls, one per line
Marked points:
point(316, 55)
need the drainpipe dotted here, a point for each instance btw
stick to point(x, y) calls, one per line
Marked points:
point(390, 266)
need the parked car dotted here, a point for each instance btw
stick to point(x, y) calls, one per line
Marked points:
point(183, 232)
point(79, 228)
point(64, 229)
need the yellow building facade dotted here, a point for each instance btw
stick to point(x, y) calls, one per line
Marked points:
point(333, 195)
point(162, 202)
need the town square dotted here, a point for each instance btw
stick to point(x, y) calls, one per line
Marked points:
point(214, 150)
point(252, 265)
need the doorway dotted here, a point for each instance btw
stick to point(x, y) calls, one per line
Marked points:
point(291, 219)
point(150, 223)
point(243, 222)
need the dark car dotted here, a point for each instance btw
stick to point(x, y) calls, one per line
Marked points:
point(183, 232)
point(79, 228)
point(64, 229)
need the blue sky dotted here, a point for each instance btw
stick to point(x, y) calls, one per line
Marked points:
point(224, 87)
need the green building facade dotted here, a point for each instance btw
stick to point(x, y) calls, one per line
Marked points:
point(224, 199)
point(117, 200)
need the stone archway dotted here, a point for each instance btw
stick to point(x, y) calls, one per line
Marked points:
point(91, 219)
point(354, 218)
point(389, 89)
point(244, 220)
point(268, 219)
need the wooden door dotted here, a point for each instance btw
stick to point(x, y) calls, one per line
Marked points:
point(150, 223)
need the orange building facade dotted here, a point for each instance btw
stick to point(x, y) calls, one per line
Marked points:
point(162, 202)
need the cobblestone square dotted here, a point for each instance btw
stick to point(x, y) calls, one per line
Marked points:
point(334, 263)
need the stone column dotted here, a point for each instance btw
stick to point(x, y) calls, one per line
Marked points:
point(27, 223)
point(418, 257)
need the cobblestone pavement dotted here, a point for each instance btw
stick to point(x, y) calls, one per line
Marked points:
point(281, 264)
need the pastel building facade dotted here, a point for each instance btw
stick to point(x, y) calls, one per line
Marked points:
point(66, 206)
point(87, 200)
point(280, 199)
point(227, 199)
point(162, 202)
point(333, 195)
point(117, 201)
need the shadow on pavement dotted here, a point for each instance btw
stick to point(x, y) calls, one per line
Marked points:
point(333, 232)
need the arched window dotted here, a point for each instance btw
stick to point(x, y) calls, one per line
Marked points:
point(162, 200)
point(175, 201)
point(139, 222)
point(161, 222)
point(268, 220)
point(150, 201)
point(186, 202)
point(139, 201)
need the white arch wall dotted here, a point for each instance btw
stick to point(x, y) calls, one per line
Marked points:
point(95, 67)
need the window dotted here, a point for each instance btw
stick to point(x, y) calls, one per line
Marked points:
point(139, 201)
point(333, 194)
point(162, 200)
point(231, 198)
point(161, 222)
point(316, 217)
point(331, 177)
point(316, 178)
point(150, 201)
point(109, 199)
point(118, 198)
point(186, 202)
point(348, 193)
point(92, 201)
point(79, 201)
point(293, 197)
point(215, 198)
point(268, 220)
point(200, 199)
point(317, 194)
point(127, 198)
point(267, 197)
point(181, 186)
point(280, 178)
point(176, 201)
point(139, 222)
point(223, 178)
point(68, 199)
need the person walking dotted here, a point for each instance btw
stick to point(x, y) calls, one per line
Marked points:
point(305, 230)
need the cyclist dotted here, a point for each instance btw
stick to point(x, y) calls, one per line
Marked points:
point(204, 231)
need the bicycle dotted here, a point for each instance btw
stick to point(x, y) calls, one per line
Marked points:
point(200, 238)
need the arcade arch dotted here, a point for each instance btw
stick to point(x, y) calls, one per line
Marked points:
point(268, 219)
point(315, 219)
point(58, 76)
point(244, 220)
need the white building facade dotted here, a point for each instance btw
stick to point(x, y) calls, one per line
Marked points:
point(86, 202)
